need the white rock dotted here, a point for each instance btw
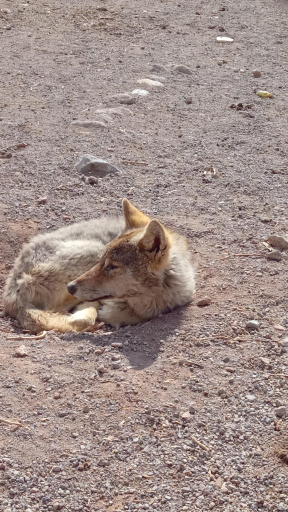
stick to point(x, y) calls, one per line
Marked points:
point(140, 92)
point(250, 398)
point(223, 39)
point(21, 351)
point(252, 324)
point(281, 411)
point(149, 82)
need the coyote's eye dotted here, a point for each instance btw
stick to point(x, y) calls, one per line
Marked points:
point(110, 267)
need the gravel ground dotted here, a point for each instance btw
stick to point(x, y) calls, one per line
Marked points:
point(187, 411)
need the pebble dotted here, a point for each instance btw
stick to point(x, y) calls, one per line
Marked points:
point(86, 409)
point(223, 39)
point(124, 98)
point(252, 324)
point(188, 100)
point(257, 74)
point(150, 83)
point(274, 255)
point(56, 469)
point(115, 365)
point(89, 124)
point(90, 165)
point(117, 344)
point(91, 180)
point(186, 416)
point(206, 301)
point(183, 69)
point(280, 411)
point(250, 398)
point(158, 68)
point(278, 402)
point(21, 351)
point(102, 369)
point(140, 92)
point(264, 94)
point(102, 463)
point(278, 241)
point(62, 414)
point(42, 200)
point(57, 395)
point(192, 409)
point(158, 78)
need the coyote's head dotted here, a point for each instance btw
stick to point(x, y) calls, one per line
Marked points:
point(130, 264)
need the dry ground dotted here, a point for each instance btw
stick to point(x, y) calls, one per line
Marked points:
point(125, 439)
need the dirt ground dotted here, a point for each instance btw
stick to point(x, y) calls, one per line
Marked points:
point(112, 420)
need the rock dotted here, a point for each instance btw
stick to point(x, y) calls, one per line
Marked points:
point(42, 200)
point(117, 344)
point(183, 69)
point(103, 463)
point(206, 301)
point(86, 409)
point(278, 402)
point(140, 92)
point(186, 416)
point(222, 393)
point(285, 342)
point(21, 351)
point(252, 325)
point(257, 74)
point(150, 83)
point(57, 395)
point(89, 124)
point(279, 327)
point(188, 100)
point(90, 165)
point(223, 39)
point(91, 180)
point(102, 369)
point(158, 68)
point(250, 398)
point(274, 255)
point(62, 414)
point(123, 98)
point(192, 409)
point(278, 241)
point(281, 411)
point(116, 365)
point(265, 361)
point(56, 469)
point(226, 359)
point(157, 78)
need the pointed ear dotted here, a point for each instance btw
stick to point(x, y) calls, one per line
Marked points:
point(133, 217)
point(154, 240)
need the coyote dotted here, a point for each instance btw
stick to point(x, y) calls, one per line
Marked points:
point(131, 269)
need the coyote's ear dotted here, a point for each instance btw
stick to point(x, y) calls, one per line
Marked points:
point(133, 217)
point(155, 240)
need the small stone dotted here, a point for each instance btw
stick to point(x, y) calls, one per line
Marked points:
point(279, 327)
point(274, 255)
point(278, 241)
point(206, 301)
point(150, 83)
point(57, 395)
point(223, 39)
point(192, 409)
point(140, 92)
point(265, 361)
point(278, 402)
point(89, 124)
point(115, 365)
point(123, 98)
point(89, 165)
point(62, 414)
point(117, 344)
point(226, 359)
point(74, 434)
point(57, 469)
point(103, 463)
point(102, 369)
point(91, 180)
point(188, 100)
point(21, 351)
point(285, 342)
point(222, 393)
point(230, 370)
point(158, 68)
point(280, 411)
point(186, 416)
point(86, 409)
point(42, 200)
point(257, 74)
point(250, 398)
point(183, 69)
point(252, 325)
point(158, 78)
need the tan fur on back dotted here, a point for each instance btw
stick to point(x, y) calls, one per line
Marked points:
point(133, 268)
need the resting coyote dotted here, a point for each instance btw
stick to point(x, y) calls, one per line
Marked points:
point(131, 269)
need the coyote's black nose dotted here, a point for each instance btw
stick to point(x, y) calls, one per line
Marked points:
point(71, 288)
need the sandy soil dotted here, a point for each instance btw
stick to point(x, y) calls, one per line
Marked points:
point(209, 159)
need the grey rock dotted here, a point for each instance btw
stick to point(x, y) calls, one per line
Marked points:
point(89, 124)
point(56, 469)
point(252, 325)
point(183, 69)
point(90, 165)
point(281, 411)
point(115, 365)
point(123, 98)
point(103, 463)
point(86, 409)
point(226, 359)
point(250, 398)
point(278, 241)
point(117, 344)
point(278, 402)
point(206, 301)
point(62, 414)
point(157, 78)
point(275, 256)
point(158, 68)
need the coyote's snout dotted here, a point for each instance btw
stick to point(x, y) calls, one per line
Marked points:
point(130, 269)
